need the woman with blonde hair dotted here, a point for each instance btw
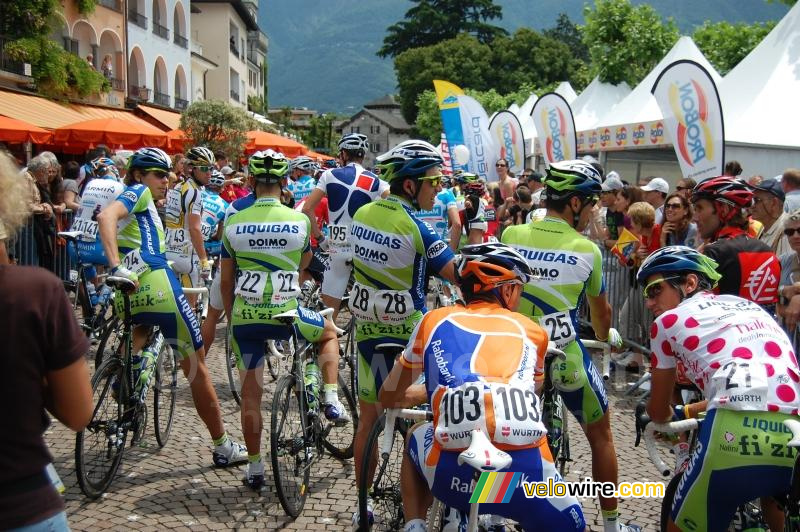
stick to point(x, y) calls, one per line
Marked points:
point(45, 350)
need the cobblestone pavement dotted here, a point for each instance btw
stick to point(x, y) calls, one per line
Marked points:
point(177, 487)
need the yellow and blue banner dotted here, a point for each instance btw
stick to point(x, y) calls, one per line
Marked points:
point(447, 97)
point(495, 487)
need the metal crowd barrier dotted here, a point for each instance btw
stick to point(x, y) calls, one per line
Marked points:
point(25, 251)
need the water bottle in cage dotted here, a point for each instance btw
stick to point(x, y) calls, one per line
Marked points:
point(312, 382)
point(92, 292)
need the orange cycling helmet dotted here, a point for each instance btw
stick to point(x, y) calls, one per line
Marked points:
point(491, 265)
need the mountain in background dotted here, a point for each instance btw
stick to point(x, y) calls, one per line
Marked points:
point(322, 52)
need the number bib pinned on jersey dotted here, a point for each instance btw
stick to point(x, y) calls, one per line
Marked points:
point(173, 207)
point(740, 385)
point(207, 230)
point(87, 228)
point(135, 263)
point(285, 286)
point(337, 234)
point(387, 306)
point(250, 286)
point(508, 413)
point(559, 328)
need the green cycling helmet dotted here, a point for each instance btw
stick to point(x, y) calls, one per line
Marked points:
point(572, 178)
point(269, 166)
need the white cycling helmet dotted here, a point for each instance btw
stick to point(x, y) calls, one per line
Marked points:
point(303, 163)
point(216, 179)
point(354, 142)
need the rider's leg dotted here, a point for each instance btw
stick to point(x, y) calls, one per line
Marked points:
point(334, 284)
point(203, 393)
point(252, 423)
point(209, 328)
point(604, 457)
point(334, 303)
point(416, 493)
point(367, 417)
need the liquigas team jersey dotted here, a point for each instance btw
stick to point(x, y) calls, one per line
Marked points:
point(482, 365)
point(140, 235)
point(97, 195)
point(391, 248)
point(302, 187)
point(564, 264)
point(732, 350)
point(214, 208)
point(267, 240)
point(183, 200)
point(437, 217)
point(239, 205)
point(348, 189)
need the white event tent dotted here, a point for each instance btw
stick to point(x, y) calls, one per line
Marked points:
point(595, 100)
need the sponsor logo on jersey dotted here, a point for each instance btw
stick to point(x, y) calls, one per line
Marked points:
point(371, 235)
point(436, 249)
point(251, 229)
point(129, 195)
point(547, 256)
point(763, 271)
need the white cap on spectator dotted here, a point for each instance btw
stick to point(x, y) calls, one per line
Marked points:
point(611, 184)
point(657, 184)
point(226, 170)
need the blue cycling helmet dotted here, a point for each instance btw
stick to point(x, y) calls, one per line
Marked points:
point(150, 159)
point(678, 260)
point(410, 158)
point(572, 178)
point(103, 166)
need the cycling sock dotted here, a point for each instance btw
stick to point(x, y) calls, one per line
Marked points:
point(253, 458)
point(222, 440)
point(331, 393)
point(416, 525)
point(610, 520)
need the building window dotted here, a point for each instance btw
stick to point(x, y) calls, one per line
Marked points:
point(377, 130)
point(374, 147)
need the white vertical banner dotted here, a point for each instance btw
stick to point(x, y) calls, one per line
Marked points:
point(555, 128)
point(475, 126)
point(447, 167)
point(688, 98)
point(507, 134)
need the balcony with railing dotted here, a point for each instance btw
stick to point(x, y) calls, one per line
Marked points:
point(137, 18)
point(234, 95)
point(139, 94)
point(116, 5)
point(181, 41)
point(253, 56)
point(181, 104)
point(117, 84)
point(234, 48)
point(161, 99)
point(6, 63)
point(161, 31)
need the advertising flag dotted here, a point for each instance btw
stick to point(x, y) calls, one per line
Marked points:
point(447, 167)
point(447, 97)
point(688, 98)
point(476, 137)
point(506, 133)
point(555, 127)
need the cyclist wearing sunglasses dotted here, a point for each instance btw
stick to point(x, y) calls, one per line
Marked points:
point(745, 366)
point(133, 239)
point(566, 265)
point(749, 267)
point(392, 250)
point(185, 243)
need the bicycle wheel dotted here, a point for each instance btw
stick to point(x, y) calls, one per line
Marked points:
point(669, 496)
point(278, 366)
point(99, 447)
point(384, 486)
point(339, 439)
point(232, 368)
point(165, 393)
point(290, 449)
point(565, 453)
point(553, 418)
point(350, 358)
point(109, 342)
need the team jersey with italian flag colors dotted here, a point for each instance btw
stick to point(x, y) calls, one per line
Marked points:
point(732, 350)
point(267, 241)
point(391, 249)
point(565, 265)
point(482, 365)
point(348, 189)
point(140, 235)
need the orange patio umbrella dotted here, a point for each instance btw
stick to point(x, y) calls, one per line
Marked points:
point(317, 155)
point(111, 131)
point(262, 140)
point(13, 130)
point(176, 138)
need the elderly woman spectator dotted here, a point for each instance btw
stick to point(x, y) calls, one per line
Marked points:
point(45, 352)
point(678, 228)
point(40, 234)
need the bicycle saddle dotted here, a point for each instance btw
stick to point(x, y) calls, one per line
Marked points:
point(69, 235)
point(794, 426)
point(482, 455)
point(287, 317)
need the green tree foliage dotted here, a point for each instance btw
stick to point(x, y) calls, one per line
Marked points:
point(320, 135)
point(510, 62)
point(256, 104)
point(725, 44)
point(625, 42)
point(431, 21)
point(567, 32)
point(57, 73)
point(217, 125)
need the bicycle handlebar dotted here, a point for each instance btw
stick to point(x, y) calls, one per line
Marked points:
point(672, 427)
point(199, 291)
point(385, 445)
